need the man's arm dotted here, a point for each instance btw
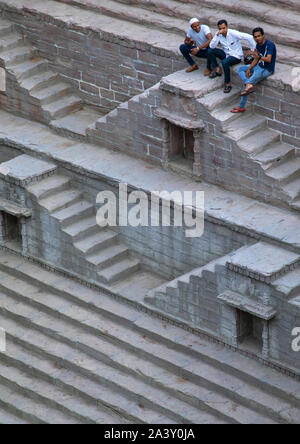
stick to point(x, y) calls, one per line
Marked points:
point(245, 36)
point(215, 41)
point(253, 64)
point(205, 45)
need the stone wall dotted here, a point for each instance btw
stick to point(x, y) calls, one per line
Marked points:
point(132, 127)
point(282, 108)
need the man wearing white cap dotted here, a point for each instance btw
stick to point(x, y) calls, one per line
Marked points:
point(197, 43)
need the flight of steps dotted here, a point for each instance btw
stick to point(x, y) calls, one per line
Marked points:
point(262, 144)
point(104, 258)
point(58, 104)
point(75, 355)
point(160, 297)
point(280, 21)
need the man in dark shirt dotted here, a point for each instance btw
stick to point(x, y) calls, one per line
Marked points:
point(262, 67)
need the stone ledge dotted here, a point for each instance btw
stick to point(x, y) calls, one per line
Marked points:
point(246, 304)
point(177, 120)
point(14, 209)
point(24, 169)
point(263, 262)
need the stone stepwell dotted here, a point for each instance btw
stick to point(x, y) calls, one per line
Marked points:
point(75, 355)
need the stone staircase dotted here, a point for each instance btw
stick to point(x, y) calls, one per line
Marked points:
point(75, 355)
point(101, 254)
point(170, 297)
point(278, 160)
point(55, 101)
point(171, 16)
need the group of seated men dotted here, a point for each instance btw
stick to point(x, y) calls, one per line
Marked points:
point(226, 45)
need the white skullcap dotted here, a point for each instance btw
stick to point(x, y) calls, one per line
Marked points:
point(194, 20)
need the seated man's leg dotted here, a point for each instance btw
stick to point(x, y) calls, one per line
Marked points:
point(258, 75)
point(213, 54)
point(242, 72)
point(186, 52)
point(227, 63)
point(203, 53)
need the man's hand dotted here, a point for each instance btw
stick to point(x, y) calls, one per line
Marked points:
point(248, 73)
point(195, 51)
point(189, 41)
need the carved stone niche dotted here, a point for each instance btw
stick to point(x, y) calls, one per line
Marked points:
point(246, 323)
point(181, 143)
point(13, 230)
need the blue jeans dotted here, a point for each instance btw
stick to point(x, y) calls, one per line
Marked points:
point(186, 52)
point(227, 62)
point(258, 74)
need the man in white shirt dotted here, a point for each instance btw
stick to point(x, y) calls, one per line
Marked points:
point(197, 43)
point(231, 52)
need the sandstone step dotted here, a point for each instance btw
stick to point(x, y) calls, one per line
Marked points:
point(288, 4)
point(50, 93)
point(121, 360)
point(10, 41)
point(135, 287)
point(99, 240)
point(224, 115)
point(7, 418)
point(78, 122)
point(82, 228)
point(257, 142)
point(6, 27)
point(74, 212)
point(62, 107)
point(48, 394)
point(217, 98)
point(119, 271)
point(84, 390)
point(245, 126)
point(287, 172)
point(188, 85)
point(177, 23)
point(124, 359)
point(289, 284)
point(293, 189)
point(107, 256)
point(296, 204)
point(252, 8)
point(61, 200)
point(30, 409)
point(29, 68)
point(18, 54)
point(40, 80)
point(124, 394)
point(49, 186)
point(274, 154)
point(162, 333)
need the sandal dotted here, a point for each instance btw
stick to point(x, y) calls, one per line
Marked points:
point(246, 92)
point(238, 110)
point(227, 89)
